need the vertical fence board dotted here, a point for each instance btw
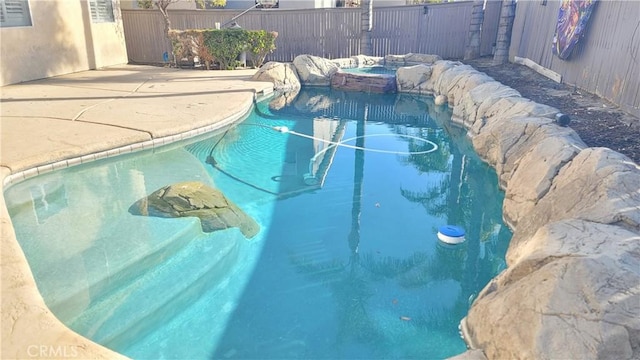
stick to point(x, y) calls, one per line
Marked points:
point(490, 26)
point(606, 62)
point(330, 32)
point(444, 39)
point(144, 36)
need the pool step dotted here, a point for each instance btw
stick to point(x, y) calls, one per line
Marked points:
point(113, 266)
point(133, 311)
point(314, 260)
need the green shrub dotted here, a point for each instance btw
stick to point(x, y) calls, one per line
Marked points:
point(261, 43)
point(225, 45)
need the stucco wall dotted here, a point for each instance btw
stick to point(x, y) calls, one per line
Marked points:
point(61, 40)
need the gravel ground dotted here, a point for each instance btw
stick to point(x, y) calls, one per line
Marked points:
point(598, 122)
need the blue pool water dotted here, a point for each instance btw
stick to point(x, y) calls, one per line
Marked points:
point(370, 70)
point(347, 263)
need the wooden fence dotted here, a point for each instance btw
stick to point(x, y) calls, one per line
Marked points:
point(332, 33)
point(605, 62)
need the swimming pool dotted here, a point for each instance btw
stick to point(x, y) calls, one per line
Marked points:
point(346, 265)
point(370, 70)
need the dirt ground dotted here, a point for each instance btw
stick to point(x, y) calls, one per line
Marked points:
point(598, 122)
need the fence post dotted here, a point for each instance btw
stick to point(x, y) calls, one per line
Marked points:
point(507, 13)
point(366, 25)
point(472, 50)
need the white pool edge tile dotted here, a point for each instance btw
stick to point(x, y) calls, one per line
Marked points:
point(20, 176)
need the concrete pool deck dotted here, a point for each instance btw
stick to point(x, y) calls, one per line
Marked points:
point(67, 120)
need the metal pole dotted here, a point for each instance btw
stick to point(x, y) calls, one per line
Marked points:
point(237, 16)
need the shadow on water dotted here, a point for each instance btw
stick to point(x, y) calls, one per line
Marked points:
point(320, 290)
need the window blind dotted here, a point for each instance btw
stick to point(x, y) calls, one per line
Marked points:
point(14, 13)
point(101, 11)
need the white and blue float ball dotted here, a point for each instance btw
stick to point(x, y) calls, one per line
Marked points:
point(451, 234)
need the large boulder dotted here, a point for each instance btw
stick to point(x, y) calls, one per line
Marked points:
point(535, 171)
point(463, 83)
point(314, 70)
point(512, 107)
point(437, 69)
point(413, 79)
point(416, 59)
point(456, 81)
point(469, 109)
point(410, 59)
point(503, 143)
point(395, 60)
point(364, 60)
point(574, 294)
point(598, 185)
point(505, 109)
point(448, 78)
point(346, 63)
point(196, 199)
point(283, 76)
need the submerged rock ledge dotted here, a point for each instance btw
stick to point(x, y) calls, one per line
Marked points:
point(572, 286)
point(195, 199)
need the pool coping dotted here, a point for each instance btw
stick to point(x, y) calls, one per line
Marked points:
point(22, 175)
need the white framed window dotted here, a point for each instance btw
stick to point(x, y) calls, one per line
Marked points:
point(101, 11)
point(14, 13)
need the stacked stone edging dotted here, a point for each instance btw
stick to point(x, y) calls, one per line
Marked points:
point(572, 286)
